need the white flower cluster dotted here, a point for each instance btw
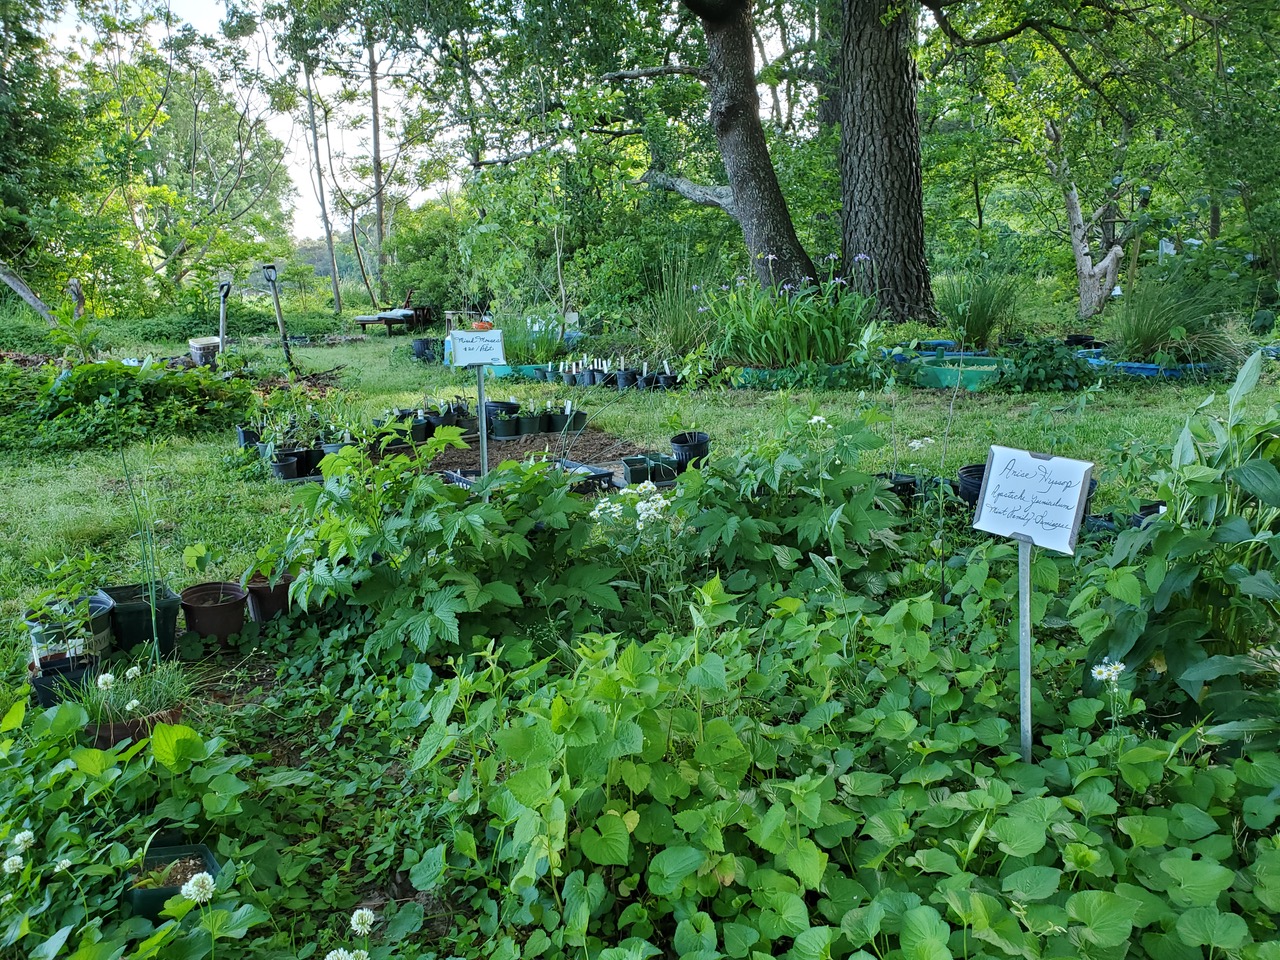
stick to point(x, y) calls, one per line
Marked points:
point(362, 921)
point(818, 421)
point(650, 510)
point(344, 954)
point(106, 681)
point(920, 444)
point(63, 865)
point(13, 864)
point(132, 705)
point(606, 510)
point(24, 841)
point(133, 673)
point(1108, 670)
point(199, 888)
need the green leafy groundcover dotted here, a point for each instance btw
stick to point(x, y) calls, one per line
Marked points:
point(761, 715)
point(110, 402)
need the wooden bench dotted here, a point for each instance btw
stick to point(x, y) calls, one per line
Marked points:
point(411, 318)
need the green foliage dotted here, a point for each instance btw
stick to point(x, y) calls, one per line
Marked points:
point(977, 305)
point(1193, 589)
point(1046, 365)
point(112, 402)
point(672, 324)
point(818, 322)
point(77, 822)
point(532, 337)
point(1161, 323)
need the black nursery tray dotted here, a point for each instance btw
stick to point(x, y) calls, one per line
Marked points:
point(593, 478)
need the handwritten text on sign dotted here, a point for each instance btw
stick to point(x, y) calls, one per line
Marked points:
point(472, 347)
point(1035, 496)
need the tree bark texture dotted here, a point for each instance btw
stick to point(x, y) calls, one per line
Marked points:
point(324, 207)
point(880, 172)
point(735, 118)
point(379, 202)
point(10, 278)
point(1096, 280)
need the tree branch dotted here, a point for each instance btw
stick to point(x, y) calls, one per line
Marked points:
point(667, 70)
point(707, 196)
point(10, 278)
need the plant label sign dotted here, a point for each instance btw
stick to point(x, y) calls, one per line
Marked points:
point(478, 348)
point(1033, 496)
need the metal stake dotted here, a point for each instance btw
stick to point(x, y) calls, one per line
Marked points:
point(484, 421)
point(224, 291)
point(1024, 641)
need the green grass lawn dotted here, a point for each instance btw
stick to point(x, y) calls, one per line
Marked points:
point(67, 503)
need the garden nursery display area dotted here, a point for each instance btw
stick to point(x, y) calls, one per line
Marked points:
point(693, 670)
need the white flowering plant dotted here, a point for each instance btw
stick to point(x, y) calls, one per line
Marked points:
point(142, 690)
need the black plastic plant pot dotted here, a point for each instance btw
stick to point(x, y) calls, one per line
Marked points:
point(559, 422)
point(421, 430)
point(442, 419)
point(51, 631)
point(609, 379)
point(530, 424)
point(246, 436)
point(540, 373)
point(570, 379)
point(149, 901)
point(635, 469)
point(904, 486)
point(265, 601)
point(584, 379)
point(667, 381)
point(690, 449)
point(627, 378)
point(215, 610)
point(427, 348)
point(493, 408)
point(579, 420)
point(506, 429)
point(331, 448)
point(971, 477)
point(662, 469)
point(57, 674)
point(131, 618)
point(597, 378)
point(264, 449)
point(1081, 341)
point(284, 468)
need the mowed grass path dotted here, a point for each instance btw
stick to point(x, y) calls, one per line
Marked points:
point(61, 504)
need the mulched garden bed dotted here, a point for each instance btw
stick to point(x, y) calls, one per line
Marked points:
point(590, 446)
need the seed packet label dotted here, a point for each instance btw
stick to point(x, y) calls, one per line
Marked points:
point(473, 347)
point(1033, 496)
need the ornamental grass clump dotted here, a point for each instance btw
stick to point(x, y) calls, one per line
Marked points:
point(1160, 323)
point(977, 304)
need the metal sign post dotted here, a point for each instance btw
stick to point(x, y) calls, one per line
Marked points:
point(224, 291)
point(1037, 500)
point(478, 348)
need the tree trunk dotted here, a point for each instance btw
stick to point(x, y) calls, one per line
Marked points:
point(324, 207)
point(379, 209)
point(1096, 281)
point(10, 278)
point(882, 190)
point(735, 117)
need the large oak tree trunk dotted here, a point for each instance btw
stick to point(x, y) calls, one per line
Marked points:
point(881, 180)
point(758, 202)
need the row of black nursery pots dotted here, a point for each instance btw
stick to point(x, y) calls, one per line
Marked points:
point(618, 379)
point(121, 619)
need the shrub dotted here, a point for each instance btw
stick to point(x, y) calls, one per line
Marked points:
point(1047, 365)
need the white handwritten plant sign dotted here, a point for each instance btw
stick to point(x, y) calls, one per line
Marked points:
point(1033, 496)
point(474, 347)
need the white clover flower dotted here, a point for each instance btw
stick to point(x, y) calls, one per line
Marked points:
point(362, 921)
point(132, 705)
point(1108, 670)
point(339, 954)
point(24, 841)
point(359, 955)
point(106, 681)
point(199, 888)
point(920, 444)
point(5, 899)
point(12, 865)
point(133, 673)
point(63, 865)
